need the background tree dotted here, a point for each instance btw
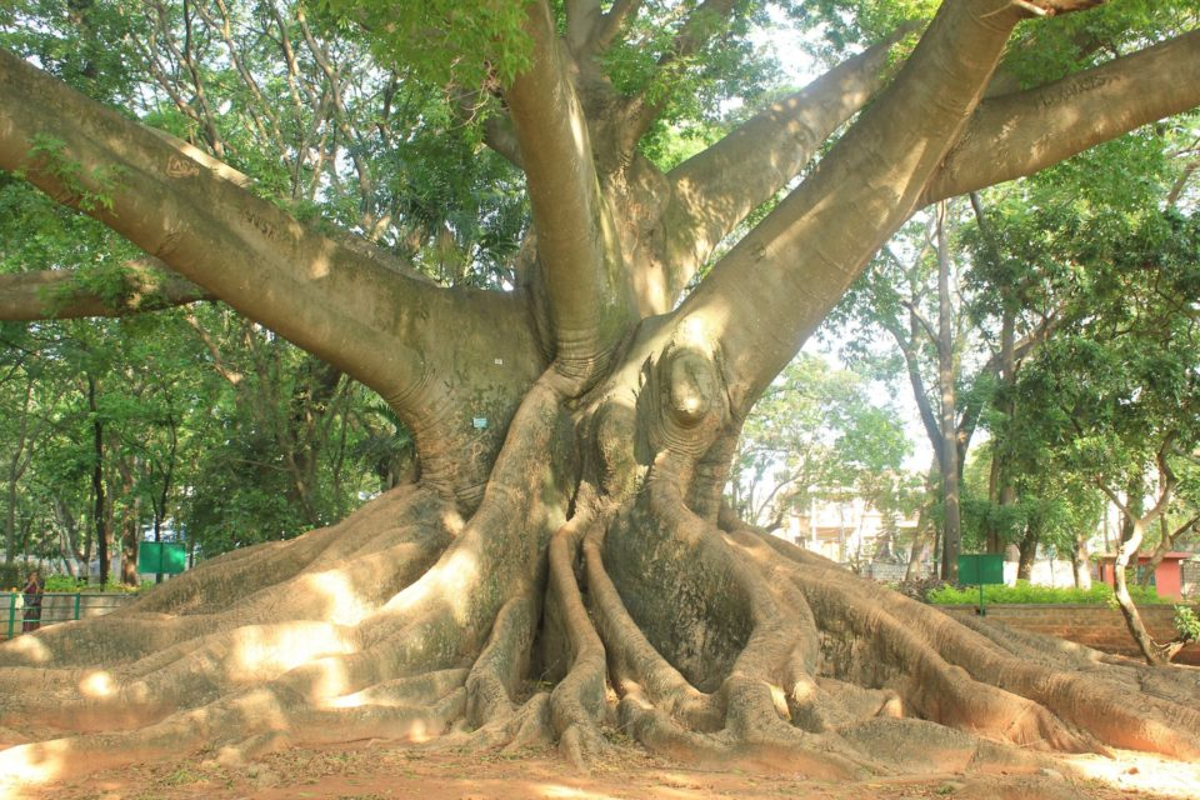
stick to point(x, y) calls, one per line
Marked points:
point(574, 422)
point(815, 434)
point(1118, 389)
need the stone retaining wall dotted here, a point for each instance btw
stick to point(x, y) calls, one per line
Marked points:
point(1100, 627)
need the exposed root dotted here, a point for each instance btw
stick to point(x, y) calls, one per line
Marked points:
point(1094, 703)
point(577, 704)
point(709, 646)
point(494, 679)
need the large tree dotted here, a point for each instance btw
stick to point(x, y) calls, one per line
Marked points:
point(574, 425)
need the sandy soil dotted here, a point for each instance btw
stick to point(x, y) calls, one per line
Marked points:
point(383, 771)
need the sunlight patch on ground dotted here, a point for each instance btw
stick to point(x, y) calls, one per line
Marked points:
point(31, 647)
point(446, 580)
point(330, 680)
point(259, 652)
point(347, 700)
point(419, 732)
point(96, 685)
point(1140, 773)
point(568, 793)
point(30, 764)
point(345, 608)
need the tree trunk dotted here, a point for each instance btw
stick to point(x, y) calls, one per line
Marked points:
point(131, 534)
point(952, 518)
point(1027, 550)
point(99, 505)
point(1080, 565)
point(1000, 489)
point(1127, 550)
point(564, 567)
point(10, 519)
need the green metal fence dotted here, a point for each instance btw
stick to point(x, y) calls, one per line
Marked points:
point(58, 607)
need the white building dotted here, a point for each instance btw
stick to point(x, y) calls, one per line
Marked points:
point(848, 531)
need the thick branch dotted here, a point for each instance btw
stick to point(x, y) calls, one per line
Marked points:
point(1019, 134)
point(614, 21)
point(775, 287)
point(577, 243)
point(582, 18)
point(52, 294)
point(715, 190)
point(369, 317)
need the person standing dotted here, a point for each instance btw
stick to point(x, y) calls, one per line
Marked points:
point(33, 603)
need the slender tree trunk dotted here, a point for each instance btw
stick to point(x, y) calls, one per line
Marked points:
point(160, 502)
point(75, 558)
point(952, 524)
point(99, 505)
point(1080, 564)
point(130, 536)
point(1002, 492)
point(10, 519)
point(1027, 552)
point(19, 461)
point(1127, 550)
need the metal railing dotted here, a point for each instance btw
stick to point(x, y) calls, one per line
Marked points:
point(58, 607)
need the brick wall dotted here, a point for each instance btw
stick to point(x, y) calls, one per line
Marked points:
point(1095, 626)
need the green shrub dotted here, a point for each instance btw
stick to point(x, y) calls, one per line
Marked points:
point(65, 583)
point(1027, 593)
point(1187, 623)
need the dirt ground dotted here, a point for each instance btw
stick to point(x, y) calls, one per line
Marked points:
point(383, 771)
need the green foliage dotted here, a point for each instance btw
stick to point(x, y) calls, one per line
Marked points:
point(1187, 623)
point(92, 189)
point(1051, 48)
point(1121, 381)
point(65, 583)
point(1027, 593)
point(432, 37)
point(694, 89)
point(846, 25)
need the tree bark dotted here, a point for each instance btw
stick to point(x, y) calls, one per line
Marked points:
point(948, 422)
point(1080, 565)
point(99, 505)
point(1027, 552)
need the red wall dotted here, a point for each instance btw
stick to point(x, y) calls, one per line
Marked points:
point(1168, 576)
